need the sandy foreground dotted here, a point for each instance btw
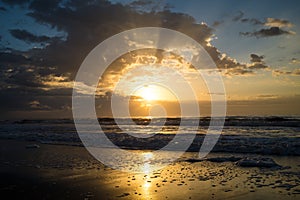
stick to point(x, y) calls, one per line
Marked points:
point(70, 172)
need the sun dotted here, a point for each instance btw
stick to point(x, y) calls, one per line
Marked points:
point(154, 93)
point(148, 93)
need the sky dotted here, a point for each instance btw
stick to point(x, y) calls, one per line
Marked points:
point(254, 44)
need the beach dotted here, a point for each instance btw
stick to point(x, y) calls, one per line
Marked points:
point(143, 99)
point(31, 170)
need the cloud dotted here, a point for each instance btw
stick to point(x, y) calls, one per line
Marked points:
point(217, 23)
point(238, 17)
point(31, 38)
point(273, 26)
point(101, 22)
point(81, 39)
point(22, 77)
point(20, 99)
point(150, 5)
point(256, 58)
point(273, 22)
point(36, 105)
point(142, 2)
point(239, 71)
point(13, 59)
point(257, 62)
point(3, 9)
point(15, 2)
point(45, 75)
point(296, 72)
point(295, 61)
point(266, 96)
point(252, 21)
point(258, 66)
point(277, 72)
point(54, 81)
point(268, 32)
point(235, 68)
point(268, 22)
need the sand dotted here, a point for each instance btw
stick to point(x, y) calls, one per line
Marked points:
point(44, 171)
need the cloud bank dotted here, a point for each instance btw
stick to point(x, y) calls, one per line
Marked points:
point(272, 26)
point(43, 76)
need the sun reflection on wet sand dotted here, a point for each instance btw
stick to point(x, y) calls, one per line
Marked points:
point(72, 171)
point(147, 170)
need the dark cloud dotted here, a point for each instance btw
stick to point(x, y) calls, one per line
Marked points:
point(35, 74)
point(22, 77)
point(252, 21)
point(256, 58)
point(296, 72)
point(217, 23)
point(234, 68)
point(273, 26)
point(259, 65)
point(269, 22)
point(32, 99)
point(238, 17)
point(44, 5)
point(268, 32)
point(149, 5)
point(16, 2)
point(257, 62)
point(31, 38)
point(13, 59)
point(87, 25)
point(281, 72)
point(295, 61)
point(43, 76)
point(278, 72)
point(141, 2)
point(2, 8)
point(239, 71)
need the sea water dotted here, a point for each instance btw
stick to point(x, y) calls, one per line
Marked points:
point(251, 134)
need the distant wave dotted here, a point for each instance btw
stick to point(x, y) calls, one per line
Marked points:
point(262, 135)
point(291, 121)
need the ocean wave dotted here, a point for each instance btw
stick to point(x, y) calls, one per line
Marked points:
point(263, 135)
point(286, 121)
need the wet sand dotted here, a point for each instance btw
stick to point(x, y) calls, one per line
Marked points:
point(70, 172)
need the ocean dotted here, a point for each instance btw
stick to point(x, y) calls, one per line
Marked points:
point(271, 135)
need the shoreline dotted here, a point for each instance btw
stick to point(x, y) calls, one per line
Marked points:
point(70, 172)
point(226, 144)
